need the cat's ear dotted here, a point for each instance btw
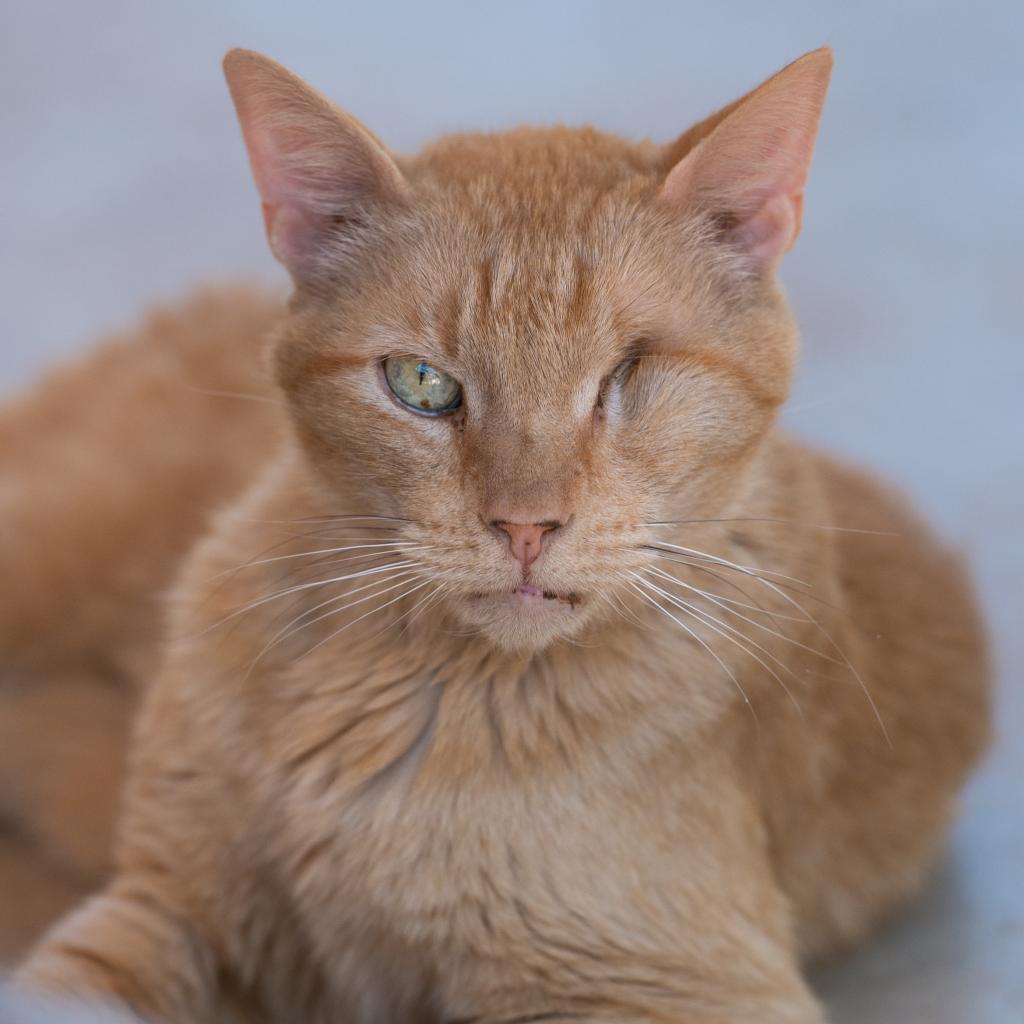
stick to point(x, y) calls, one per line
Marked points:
point(747, 165)
point(317, 168)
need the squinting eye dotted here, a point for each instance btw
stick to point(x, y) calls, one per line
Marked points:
point(616, 379)
point(421, 387)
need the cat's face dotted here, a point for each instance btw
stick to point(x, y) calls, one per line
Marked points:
point(530, 350)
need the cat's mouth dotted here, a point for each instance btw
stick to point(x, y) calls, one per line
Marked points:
point(528, 616)
point(531, 596)
point(529, 593)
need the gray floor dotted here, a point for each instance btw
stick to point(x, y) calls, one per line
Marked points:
point(122, 180)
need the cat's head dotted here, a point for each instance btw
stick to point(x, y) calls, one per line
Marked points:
point(531, 346)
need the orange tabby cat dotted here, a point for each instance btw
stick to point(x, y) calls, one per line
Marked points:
point(529, 682)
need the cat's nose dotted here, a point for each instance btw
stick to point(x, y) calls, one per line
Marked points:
point(524, 539)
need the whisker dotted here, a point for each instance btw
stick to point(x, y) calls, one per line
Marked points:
point(778, 589)
point(280, 544)
point(296, 625)
point(341, 597)
point(330, 519)
point(418, 609)
point(714, 654)
point(754, 605)
point(772, 519)
point(729, 633)
point(305, 586)
point(718, 600)
point(751, 604)
point(746, 571)
point(307, 571)
point(406, 544)
point(717, 559)
point(215, 393)
point(626, 610)
point(372, 611)
point(423, 605)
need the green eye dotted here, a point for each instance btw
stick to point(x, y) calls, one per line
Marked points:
point(421, 387)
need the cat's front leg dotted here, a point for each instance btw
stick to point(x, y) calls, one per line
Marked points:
point(802, 1013)
point(128, 947)
point(801, 1009)
point(756, 983)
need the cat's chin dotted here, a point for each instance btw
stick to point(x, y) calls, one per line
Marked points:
point(527, 618)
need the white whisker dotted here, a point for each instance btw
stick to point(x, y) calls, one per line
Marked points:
point(296, 625)
point(423, 604)
point(783, 522)
point(750, 604)
point(729, 633)
point(372, 611)
point(401, 574)
point(839, 651)
point(714, 654)
point(407, 545)
point(746, 571)
point(724, 602)
point(717, 559)
point(306, 586)
point(215, 393)
point(780, 589)
point(626, 610)
point(341, 520)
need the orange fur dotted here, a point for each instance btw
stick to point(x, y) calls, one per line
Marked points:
point(112, 468)
point(409, 795)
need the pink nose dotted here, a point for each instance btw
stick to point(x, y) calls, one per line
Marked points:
point(525, 539)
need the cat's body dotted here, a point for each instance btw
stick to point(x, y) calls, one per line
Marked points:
point(569, 782)
point(112, 469)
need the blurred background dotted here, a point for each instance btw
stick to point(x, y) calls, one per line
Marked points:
point(123, 181)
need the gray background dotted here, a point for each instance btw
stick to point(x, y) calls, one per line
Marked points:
point(123, 180)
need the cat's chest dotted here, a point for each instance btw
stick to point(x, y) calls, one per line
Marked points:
point(446, 825)
point(447, 871)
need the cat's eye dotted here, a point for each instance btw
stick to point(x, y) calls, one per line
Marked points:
point(421, 387)
point(616, 379)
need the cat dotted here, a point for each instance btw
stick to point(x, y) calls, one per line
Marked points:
point(537, 675)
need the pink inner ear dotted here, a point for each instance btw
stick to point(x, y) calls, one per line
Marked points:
point(769, 233)
point(310, 174)
point(759, 191)
point(293, 222)
point(293, 234)
point(763, 213)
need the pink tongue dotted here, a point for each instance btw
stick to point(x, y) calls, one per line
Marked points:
point(529, 591)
